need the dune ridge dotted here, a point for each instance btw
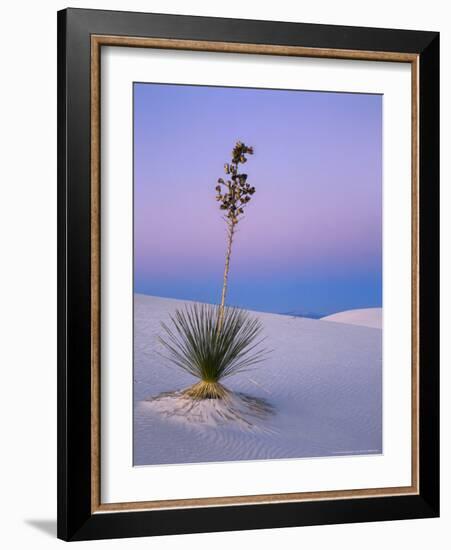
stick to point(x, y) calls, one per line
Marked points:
point(369, 317)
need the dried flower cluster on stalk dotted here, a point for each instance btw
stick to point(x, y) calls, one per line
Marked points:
point(235, 193)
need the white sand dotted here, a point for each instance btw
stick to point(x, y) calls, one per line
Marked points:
point(323, 381)
point(370, 317)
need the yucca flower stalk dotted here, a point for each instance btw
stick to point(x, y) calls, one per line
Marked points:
point(233, 194)
point(212, 342)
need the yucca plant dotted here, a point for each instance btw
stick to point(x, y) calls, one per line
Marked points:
point(214, 342)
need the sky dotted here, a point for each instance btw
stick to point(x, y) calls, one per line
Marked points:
point(311, 239)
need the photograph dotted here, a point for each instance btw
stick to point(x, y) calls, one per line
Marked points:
point(257, 274)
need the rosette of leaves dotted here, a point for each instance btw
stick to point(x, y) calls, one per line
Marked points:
point(195, 345)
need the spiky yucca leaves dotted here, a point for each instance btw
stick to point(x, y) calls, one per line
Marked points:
point(195, 344)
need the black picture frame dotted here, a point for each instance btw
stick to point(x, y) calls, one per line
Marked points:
point(76, 520)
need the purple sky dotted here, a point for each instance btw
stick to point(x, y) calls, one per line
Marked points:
point(311, 241)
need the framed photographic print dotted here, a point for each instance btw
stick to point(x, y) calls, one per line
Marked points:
point(248, 274)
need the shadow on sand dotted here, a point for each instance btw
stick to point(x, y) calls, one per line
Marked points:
point(235, 408)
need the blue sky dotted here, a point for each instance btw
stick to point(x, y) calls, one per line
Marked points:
point(311, 241)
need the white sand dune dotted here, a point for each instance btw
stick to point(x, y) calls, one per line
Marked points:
point(370, 317)
point(323, 381)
